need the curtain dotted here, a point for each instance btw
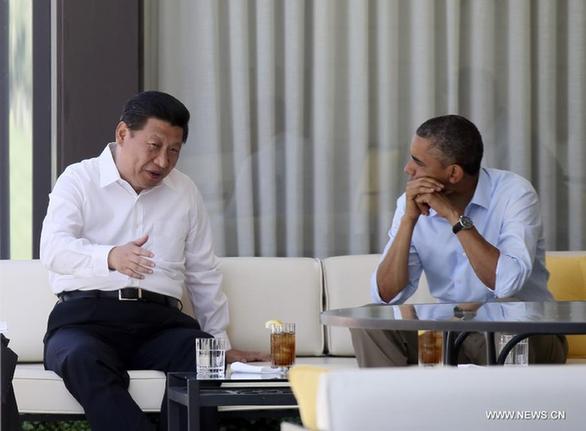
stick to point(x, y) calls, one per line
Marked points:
point(303, 111)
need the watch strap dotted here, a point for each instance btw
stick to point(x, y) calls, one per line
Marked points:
point(457, 227)
point(462, 223)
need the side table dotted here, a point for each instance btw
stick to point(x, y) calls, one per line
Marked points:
point(186, 394)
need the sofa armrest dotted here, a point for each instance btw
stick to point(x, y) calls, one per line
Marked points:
point(448, 398)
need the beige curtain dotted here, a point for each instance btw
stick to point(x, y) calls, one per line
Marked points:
point(303, 110)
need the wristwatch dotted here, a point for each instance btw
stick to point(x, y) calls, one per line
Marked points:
point(464, 223)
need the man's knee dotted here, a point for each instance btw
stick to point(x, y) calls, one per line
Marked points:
point(173, 350)
point(69, 354)
point(548, 349)
point(62, 349)
point(380, 348)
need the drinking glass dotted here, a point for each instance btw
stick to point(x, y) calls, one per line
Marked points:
point(283, 346)
point(519, 355)
point(210, 357)
point(430, 348)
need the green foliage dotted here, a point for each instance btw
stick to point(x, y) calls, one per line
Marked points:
point(56, 426)
point(226, 424)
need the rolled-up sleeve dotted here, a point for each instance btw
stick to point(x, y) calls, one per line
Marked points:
point(520, 231)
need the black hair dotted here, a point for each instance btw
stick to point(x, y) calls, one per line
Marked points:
point(457, 138)
point(155, 104)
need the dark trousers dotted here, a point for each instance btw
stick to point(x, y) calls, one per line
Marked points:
point(9, 420)
point(92, 342)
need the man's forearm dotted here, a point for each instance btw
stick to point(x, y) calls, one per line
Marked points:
point(482, 255)
point(393, 273)
point(65, 254)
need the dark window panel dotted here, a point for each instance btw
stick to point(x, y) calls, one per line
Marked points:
point(41, 116)
point(4, 137)
point(99, 56)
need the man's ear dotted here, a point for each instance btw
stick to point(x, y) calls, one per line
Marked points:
point(121, 132)
point(456, 173)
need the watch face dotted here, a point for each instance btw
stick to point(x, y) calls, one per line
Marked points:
point(466, 222)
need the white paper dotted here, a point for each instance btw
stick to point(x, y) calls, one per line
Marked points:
point(254, 376)
point(241, 367)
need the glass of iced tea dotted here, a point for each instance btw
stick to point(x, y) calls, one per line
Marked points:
point(430, 347)
point(283, 346)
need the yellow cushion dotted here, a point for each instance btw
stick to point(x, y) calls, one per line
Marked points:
point(304, 380)
point(567, 277)
point(567, 282)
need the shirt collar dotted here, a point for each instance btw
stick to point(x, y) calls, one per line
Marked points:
point(481, 195)
point(483, 190)
point(109, 171)
point(168, 181)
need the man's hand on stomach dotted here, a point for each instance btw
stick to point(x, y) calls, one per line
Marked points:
point(131, 259)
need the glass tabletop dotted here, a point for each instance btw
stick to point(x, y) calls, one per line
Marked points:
point(234, 377)
point(567, 317)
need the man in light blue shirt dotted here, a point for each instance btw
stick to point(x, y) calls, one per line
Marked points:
point(477, 233)
point(505, 212)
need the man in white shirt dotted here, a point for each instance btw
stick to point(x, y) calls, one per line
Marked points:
point(124, 234)
point(476, 232)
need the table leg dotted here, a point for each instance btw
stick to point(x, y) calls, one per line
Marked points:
point(509, 346)
point(458, 344)
point(449, 353)
point(453, 344)
point(193, 405)
point(490, 348)
point(174, 409)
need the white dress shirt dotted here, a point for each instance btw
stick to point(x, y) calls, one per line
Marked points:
point(505, 211)
point(92, 209)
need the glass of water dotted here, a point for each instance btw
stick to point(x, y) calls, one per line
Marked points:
point(519, 355)
point(210, 357)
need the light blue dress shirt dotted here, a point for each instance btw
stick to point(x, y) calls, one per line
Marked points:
point(505, 210)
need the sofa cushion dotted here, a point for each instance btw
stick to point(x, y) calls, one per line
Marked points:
point(304, 380)
point(25, 303)
point(567, 282)
point(264, 288)
point(258, 289)
point(347, 284)
point(567, 274)
point(40, 391)
point(329, 362)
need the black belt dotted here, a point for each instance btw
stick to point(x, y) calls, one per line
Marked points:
point(124, 294)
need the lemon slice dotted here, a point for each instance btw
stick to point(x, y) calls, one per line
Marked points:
point(270, 323)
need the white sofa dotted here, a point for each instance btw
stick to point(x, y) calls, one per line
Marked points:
point(259, 289)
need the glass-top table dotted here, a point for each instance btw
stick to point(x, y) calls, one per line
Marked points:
point(516, 317)
point(186, 394)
